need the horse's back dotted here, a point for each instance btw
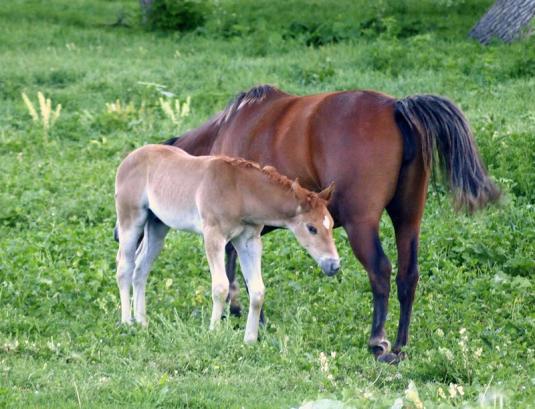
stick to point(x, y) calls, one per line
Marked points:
point(350, 138)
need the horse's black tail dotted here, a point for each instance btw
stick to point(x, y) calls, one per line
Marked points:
point(116, 233)
point(448, 143)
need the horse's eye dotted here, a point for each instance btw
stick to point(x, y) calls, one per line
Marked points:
point(312, 229)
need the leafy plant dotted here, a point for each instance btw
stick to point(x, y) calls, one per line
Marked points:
point(47, 116)
point(60, 345)
point(181, 15)
point(175, 110)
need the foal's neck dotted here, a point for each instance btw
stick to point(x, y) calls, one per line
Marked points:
point(267, 201)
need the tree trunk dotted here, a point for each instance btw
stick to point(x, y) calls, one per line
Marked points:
point(146, 5)
point(504, 20)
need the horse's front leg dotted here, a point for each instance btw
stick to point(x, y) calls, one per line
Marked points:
point(234, 288)
point(249, 248)
point(214, 245)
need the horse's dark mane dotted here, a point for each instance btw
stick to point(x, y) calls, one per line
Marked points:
point(255, 94)
point(171, 141)
point(311, 198)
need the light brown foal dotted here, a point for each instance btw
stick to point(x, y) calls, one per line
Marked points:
point(226, 200)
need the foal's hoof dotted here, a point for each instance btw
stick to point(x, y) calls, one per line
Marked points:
point(250, 339)
point(125, 323)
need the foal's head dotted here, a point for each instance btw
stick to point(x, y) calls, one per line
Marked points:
point(313, 225)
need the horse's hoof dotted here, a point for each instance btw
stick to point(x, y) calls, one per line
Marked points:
point(235, 310)
point(392, 358)
point(389, 358)
point(380, 348)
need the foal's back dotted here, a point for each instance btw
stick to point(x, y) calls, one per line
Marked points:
point(165, 180)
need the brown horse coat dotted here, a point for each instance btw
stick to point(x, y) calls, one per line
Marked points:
point(379, 152)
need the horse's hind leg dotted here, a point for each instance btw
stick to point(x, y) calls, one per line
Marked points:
point(129, 233)
point(153, 240)
point(406, 210)
point(407, 235)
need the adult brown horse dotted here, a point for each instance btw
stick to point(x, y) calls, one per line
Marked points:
point(379, 151)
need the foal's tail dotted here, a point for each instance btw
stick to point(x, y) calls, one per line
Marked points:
point(446, 138)
point(116, 233)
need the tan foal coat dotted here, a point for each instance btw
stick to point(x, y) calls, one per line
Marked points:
point(160, 187)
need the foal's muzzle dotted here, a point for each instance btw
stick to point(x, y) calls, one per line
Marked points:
point(330, 266)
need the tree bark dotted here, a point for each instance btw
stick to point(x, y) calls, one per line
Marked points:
point(505, 20)
point(146, 5)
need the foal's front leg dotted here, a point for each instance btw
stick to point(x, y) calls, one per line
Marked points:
point(214, 245)
point(249, 248)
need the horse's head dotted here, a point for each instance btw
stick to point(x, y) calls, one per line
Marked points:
point(313, 227)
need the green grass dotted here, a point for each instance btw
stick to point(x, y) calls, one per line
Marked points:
point(60, 345)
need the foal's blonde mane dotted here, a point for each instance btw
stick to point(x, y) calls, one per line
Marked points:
point(304, 195)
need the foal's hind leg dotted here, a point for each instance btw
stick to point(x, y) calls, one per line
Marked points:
point(153, 240)
point(249, 248)
point(128, 236)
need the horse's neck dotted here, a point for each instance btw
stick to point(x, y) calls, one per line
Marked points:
point(267, 202)
point(199, 141)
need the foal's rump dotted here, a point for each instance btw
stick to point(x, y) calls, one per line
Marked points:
point(162, 180)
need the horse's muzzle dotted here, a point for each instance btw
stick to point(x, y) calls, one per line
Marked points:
point(330, 266)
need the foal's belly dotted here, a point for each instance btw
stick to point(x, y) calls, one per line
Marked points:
point(185, 219)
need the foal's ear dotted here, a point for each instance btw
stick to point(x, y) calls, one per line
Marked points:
point(295, 185)
point(269, 168)
point(327, 193)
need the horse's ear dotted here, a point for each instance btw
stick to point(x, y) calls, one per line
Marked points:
point(327, 193)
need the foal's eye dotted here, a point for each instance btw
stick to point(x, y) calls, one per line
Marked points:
point(312, 229)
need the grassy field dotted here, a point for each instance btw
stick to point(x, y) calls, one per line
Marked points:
point(60, 342)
